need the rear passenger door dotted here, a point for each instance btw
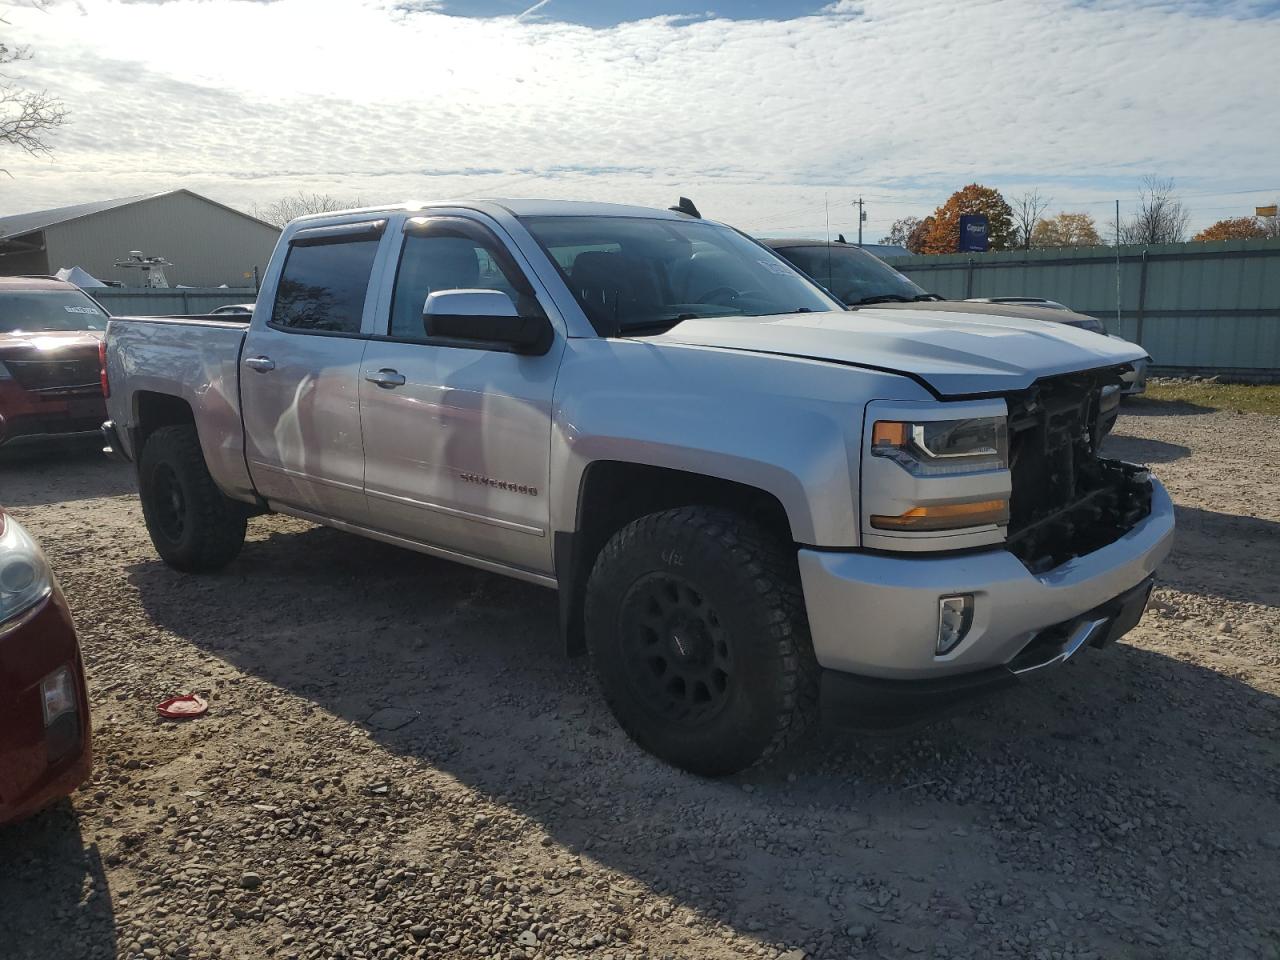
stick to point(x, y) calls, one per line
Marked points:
point(300, 374)
point(457, 436)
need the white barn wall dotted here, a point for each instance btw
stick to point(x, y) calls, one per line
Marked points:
point(208, 244)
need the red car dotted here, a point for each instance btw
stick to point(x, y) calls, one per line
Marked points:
point(50, 377)
point(45, 750)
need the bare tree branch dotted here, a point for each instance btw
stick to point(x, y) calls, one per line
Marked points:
point(26, 116)
point(1027, 210)
point(1161, 216)
point(279, 212)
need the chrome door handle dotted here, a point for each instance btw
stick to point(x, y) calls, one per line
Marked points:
point(261, 364)
point(386, 378)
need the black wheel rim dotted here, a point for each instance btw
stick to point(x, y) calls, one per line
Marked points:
point(678, 655)
point(169, 502)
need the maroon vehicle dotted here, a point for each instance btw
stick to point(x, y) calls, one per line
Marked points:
point(45, 750)
point(50, 381)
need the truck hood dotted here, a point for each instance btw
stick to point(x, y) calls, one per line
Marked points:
point(955, 354)
point(50, 342)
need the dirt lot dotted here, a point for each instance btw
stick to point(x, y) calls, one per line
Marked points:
point(398, 762)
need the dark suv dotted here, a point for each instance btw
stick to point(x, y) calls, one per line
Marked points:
point(50, 380)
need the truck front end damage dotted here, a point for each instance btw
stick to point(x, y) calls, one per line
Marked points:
point(900, 629)
point(1066, 500)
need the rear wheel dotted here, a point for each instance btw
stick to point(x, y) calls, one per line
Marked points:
point(192, 525)
point(696, 628)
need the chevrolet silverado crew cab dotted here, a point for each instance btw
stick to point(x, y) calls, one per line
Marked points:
point(751, 500)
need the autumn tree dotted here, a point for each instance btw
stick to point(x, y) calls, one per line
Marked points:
point(1233, 228)
point(27, 116)
point(1160, 218)
point(908, 232)
point(917, 237)
point(279, 212)
point(944, 232)
point(1066, 230)
point(1027, 210)
point(900, 232)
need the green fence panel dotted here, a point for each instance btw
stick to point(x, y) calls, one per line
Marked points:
point(1203, 307)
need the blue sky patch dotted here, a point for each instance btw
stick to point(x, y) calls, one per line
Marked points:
point(596, 14)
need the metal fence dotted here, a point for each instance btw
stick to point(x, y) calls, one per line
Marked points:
point(1204, 308)
point(144, 302)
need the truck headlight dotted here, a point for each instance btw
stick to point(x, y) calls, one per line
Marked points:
point(939, 447)
point(25, 577)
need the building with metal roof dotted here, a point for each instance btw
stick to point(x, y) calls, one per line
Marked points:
point(204, 243)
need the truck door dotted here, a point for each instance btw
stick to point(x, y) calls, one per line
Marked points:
point(457, 437)
point(300, 375)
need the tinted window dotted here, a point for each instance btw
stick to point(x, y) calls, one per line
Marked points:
point(630, 273)
point(322, 287)
point(28, 311)
point(451, 254)
point(853, 275)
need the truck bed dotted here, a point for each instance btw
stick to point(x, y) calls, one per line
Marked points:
point(193, 359)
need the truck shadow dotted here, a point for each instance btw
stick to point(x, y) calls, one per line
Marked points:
point(1142, 450)
point(54, 899)
point(1151, 407)
point(59, 472)
point(472, 666)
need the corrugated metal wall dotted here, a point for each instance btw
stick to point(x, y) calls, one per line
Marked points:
point(122, 301)
point(208, 244)
point(1202, 307)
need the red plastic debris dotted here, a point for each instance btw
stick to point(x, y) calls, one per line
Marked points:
point(182, 708)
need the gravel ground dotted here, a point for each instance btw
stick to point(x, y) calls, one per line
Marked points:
point(398, 762)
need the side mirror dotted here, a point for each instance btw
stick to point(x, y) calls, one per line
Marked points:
point(484, 318)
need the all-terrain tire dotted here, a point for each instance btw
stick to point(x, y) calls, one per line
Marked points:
point(696, 628)
point(193, 526)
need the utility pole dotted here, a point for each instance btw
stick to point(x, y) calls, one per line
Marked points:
point(1118, 333)
point(862, 216)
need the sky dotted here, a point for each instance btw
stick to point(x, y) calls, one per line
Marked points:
point(773, 115)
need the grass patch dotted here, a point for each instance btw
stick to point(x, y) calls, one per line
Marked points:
point(1241, 397)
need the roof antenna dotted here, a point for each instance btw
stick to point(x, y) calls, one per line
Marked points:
point(686, 207)
point(840, 238)
point(826, 211)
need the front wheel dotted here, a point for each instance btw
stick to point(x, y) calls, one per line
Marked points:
point(193, 525)
point(696, 628)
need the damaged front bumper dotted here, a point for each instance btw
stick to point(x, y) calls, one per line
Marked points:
point(875, 617)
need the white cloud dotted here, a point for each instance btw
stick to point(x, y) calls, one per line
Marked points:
point(901, 100)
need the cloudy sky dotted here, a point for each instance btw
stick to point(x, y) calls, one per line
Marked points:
point(766, 112)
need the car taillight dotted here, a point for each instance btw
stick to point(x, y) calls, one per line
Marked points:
point(102, 369)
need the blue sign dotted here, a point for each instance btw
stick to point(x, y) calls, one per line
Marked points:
point(973, 233)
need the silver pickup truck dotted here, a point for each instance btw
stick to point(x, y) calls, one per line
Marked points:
point(752, 501)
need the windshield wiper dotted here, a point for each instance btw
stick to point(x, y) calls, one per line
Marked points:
point(881, 298)
point(656, 326)
point(927, 296)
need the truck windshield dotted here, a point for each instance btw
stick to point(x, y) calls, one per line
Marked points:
point(853, 275)
point(31, 311)
point(632, 274)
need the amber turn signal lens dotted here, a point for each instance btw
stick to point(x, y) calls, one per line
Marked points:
point(889, 432)
point(946, 516)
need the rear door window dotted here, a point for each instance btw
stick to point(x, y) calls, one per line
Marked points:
point(323, 286)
